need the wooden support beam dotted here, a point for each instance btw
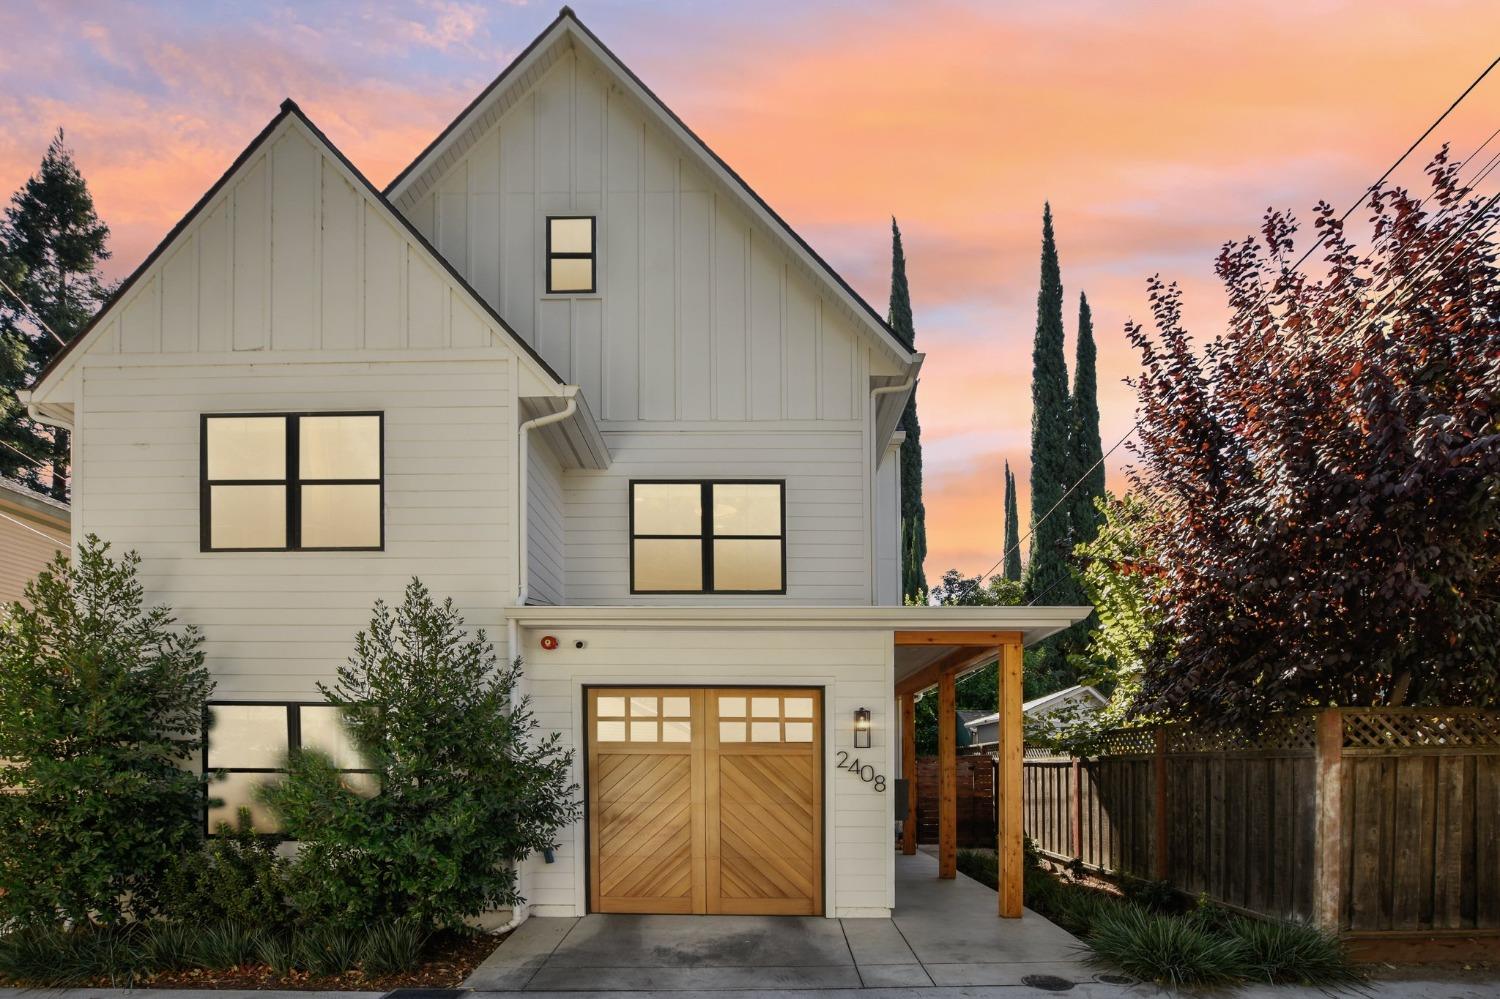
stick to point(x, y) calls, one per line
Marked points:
point(989, 639)
point(1160, 862)
point(909, 771)
point(947, 779)
point(1008, 786)
point(953, 663)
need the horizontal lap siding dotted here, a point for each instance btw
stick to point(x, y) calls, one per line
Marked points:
point(855, 668)
point(23, 552)
point(276, 623)
point(827, 555)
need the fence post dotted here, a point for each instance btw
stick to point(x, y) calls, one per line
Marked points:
point(1159, 807)
point(1328, 884)
point(1075, 802)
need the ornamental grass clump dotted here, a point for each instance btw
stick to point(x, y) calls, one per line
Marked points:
point(1167, 950)
point(1294, 953)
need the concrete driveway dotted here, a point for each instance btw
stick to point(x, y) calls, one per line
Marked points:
point(944, 933)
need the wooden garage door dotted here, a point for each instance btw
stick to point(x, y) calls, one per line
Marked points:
point(705, 800)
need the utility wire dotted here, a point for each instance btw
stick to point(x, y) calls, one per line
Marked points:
point(23, 454)
point(39, 320)
point(1265, 294)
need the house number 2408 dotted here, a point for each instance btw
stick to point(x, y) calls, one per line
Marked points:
point(866, 773)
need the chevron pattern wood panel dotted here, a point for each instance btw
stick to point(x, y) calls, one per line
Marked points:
point(684, 821)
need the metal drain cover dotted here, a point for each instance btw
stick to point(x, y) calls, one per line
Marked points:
point(1047, 983)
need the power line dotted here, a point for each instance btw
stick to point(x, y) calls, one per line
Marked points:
point(39, 320)
point(23, 454)
point(1264, 295)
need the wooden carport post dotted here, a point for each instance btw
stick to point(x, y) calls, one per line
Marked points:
point(1008, 784)
point(947, 777)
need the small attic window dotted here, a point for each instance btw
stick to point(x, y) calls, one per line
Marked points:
point(570, 254)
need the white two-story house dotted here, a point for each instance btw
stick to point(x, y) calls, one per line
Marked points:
point(570, 370)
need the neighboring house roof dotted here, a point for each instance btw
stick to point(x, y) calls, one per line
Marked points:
point(14, 496)
point(1047, 701)
point(966, 716)
point(465, 129)
point(289, 108)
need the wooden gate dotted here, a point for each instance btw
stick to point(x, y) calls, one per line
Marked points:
point(705, 800)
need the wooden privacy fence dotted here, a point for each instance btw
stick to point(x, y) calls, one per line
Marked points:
point(1377, 822)
point(976, 801)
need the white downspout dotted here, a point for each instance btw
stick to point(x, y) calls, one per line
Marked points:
point(874, 472)
point(522, 548)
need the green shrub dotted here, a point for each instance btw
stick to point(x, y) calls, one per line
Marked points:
point(391, 947)
point(1157, 896)
point(981, 865)
point(1290, 953)
point(277, 950)
point(101, 700)
point(166, 945)
point(1168, 950)
point(219, 946)
point(1079, 910)
point(328, 950)
point(468, 783)
point(52, 957)
point(235, 877)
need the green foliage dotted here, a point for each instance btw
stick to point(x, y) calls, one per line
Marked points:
point(1168, 950)
point(468, 785)
point(1080, 910)
point(1293, 953)
point(101, 701)
point(217, 946)
point(1084, 446)
point(392, 947)
point(1122, 581)
point(51, 245)
point(913, 513)
point(981, 865)
point(276, 949)
point(1011, 562)
point(236, 876)
point(167, 945)
point(328, 950)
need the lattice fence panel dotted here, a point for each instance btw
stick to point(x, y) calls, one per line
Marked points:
point(1287, 733)
point(1130, 742)
point(1378, 729)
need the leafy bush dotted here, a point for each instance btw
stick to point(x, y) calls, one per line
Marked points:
point(1168, 950)
point(218, 946)
point(392, 947)
point(468, 786)
point(235, 877)
point(1292, 953)
point(100, 702)
point(328, 950)
point(1157, 896)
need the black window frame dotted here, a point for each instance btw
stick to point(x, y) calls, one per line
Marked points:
point(292, 482)
point(293, 743)
point(706, 536)
point(592, 256)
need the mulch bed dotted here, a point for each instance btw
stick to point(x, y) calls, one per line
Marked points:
point(448, 959)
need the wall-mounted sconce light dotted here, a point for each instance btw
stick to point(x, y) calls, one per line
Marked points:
point(861, 728)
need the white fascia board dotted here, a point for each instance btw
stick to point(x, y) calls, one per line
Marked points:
point(1035, 623)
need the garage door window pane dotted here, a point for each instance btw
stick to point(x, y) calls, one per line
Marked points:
point(731, 731)
point(765, 707)
point(246, 447)
point(247, 735)
point(643, 707)
point(339, 447)
point(732, 707)
point(765, 731)
point(799, 731)
point(676, 707)
point(247, 516)
point(643, 731)
point(341, 516)
point(611, 731)
point(747, 508)
point(612, 707)
point(798, 707)
point(676, 730)
point(747, 565)
point(668, 565)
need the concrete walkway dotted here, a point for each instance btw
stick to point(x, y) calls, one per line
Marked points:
point(944, 933)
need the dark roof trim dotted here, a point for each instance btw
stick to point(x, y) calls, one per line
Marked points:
point(567, 14)
point(289, 108)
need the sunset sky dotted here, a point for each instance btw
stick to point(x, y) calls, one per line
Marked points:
point(1157, 131)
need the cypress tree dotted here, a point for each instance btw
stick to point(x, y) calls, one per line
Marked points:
point(913, 514)
point(1012, 549)
point(51, 245)
point(1049, 579)
point(1084, 518)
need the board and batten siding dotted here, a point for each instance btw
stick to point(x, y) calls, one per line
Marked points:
point(854, 667)
point(276, 623)
point(827, 532)
point(700, 315)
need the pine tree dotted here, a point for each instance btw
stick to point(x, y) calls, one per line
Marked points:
point(1084, 517)
point(51, 245)
point(913, 514)
point(1049, 579)
point(1012, 549)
